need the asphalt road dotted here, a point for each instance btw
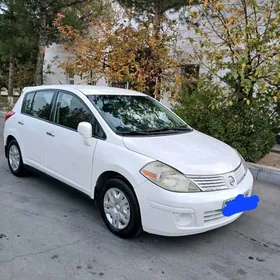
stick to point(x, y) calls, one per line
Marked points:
point(50, 231)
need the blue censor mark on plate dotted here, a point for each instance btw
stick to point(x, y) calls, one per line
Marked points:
point(240, 204)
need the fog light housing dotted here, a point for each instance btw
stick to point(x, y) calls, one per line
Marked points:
point(183, 220)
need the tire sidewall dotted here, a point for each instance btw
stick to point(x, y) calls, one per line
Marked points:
point(134, 225)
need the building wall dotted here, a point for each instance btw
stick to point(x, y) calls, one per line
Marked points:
point(57, 75)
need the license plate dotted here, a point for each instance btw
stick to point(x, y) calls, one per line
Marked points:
point(226, 201)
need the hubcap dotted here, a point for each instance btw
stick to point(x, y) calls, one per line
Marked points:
point(14, 157)
point(116, 208)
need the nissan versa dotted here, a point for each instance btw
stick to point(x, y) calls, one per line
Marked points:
point(147, 169)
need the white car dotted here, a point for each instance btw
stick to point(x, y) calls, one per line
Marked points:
point(147, 169)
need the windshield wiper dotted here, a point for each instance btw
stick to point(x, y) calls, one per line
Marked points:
point(132, 133)
point(181, 128)
point(157, 130)
point(169, 129)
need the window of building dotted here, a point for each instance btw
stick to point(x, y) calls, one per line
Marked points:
point(190, 73)
point(70, 77)
point(119, 84)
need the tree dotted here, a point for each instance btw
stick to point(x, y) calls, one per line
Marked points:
point(44, 13)
point(239, 48)
point(120, 52)
point(155, 9)
point(156, 12)
point(17, 36)
point(237, 94)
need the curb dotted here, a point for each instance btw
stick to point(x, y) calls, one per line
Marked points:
point(265, 173)
point(275, 150)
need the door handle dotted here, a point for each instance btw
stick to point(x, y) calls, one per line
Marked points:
point(21, 123)
point(50, 134)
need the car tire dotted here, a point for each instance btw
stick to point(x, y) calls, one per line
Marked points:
point(14, 158)
point(120, 209)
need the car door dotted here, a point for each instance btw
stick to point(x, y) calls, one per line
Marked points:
point(65, 155)
point(32, 124)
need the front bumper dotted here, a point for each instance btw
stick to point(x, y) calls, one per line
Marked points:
point(177, 214)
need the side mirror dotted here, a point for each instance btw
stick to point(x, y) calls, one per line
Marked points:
point(85, 130)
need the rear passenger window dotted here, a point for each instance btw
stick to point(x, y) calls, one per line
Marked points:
point(39, 105)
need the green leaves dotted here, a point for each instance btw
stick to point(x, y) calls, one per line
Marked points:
point(244, 42)
point(238, 97)
point(246, 127)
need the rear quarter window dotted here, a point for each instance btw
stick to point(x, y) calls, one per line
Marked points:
point(27, 103)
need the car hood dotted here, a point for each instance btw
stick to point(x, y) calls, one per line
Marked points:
point(192, 153)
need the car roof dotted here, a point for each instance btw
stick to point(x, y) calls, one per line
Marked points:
point(87, 90)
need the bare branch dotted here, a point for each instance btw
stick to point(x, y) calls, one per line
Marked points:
point(265, 59)
point(230, 43)
point(219, 36)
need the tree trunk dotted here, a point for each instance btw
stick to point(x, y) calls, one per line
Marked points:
point(41, 51)
point(11, 76)
point(157, 21)
point(156, 29)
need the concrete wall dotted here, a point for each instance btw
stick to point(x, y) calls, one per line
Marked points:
point(58, 76)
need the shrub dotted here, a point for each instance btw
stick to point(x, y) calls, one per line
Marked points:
point(247, 128)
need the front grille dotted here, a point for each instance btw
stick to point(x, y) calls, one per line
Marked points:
point(209, 183)
point(218, 182)
point(213, 215)
point(239, 173)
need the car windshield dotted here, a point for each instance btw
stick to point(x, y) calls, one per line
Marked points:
point(138, 115)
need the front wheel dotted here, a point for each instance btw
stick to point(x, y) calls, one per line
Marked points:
point(119, 209)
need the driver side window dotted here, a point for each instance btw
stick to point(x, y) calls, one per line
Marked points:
point(70, 111)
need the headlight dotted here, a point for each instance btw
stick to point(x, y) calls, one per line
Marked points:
point(243, 162)
point(168, 178)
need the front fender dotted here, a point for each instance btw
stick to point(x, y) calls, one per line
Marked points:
point(110, 157)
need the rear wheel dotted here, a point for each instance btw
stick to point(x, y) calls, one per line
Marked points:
point(15, 159)
point(119, 209)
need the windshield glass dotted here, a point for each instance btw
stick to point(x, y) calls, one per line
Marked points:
point(136, 114)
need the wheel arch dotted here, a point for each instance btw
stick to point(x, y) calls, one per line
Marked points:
point(104, 177)
point(8, 140)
